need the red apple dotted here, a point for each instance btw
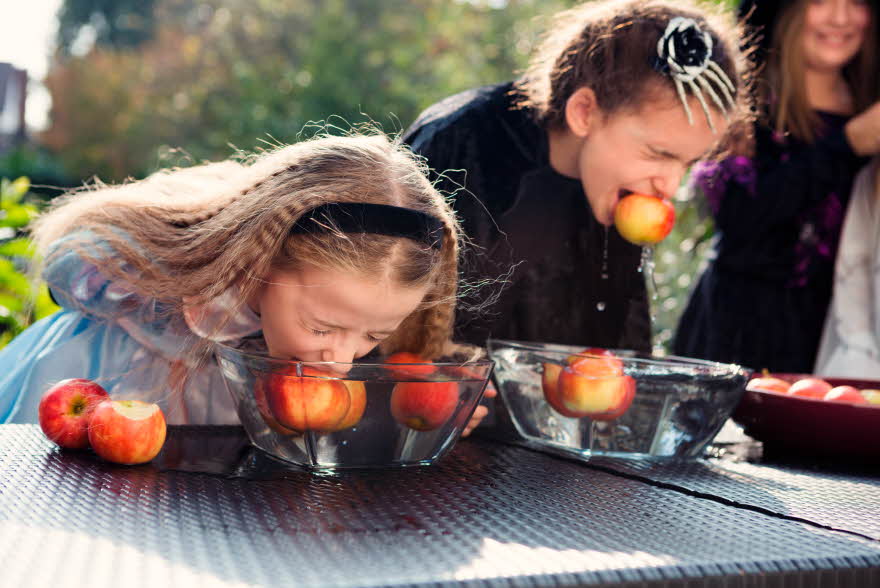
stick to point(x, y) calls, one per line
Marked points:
point(65, 410)
point(872, 396)
point(314, 401)
point(644, 220)
point(127, 431)
point(810, 388)
point(768, 384)
point(266, 412)
point(358, 395)
point(406, 370)
point(848, 394)
point(423, 406)
point(550, 385)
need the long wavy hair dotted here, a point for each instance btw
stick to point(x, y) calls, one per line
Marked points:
point(191, 234)
point(784, 87)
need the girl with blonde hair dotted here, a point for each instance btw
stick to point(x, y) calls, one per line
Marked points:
point(321, 251)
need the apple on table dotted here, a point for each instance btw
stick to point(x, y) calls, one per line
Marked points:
point(65, 410)
point(127, 431)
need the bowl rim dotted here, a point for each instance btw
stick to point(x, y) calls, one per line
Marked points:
point(715, 367)
point(255, 355)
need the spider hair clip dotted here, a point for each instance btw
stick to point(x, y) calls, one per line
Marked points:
point(684, 53)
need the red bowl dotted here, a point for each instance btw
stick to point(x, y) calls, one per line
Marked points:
point(808, 425)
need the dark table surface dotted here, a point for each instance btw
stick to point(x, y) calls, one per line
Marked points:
point(212, 511)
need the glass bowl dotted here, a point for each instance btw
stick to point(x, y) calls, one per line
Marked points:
point(327, 415)
point(646, 407)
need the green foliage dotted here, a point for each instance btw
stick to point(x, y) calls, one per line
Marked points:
point(19, 304)
point(223, 74)
point(114, 23)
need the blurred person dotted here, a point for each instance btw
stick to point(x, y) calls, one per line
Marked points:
point(779, 203)
point(850, 346)
point(322, 251)
point(621, 97)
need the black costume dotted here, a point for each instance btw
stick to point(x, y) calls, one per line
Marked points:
point(762, 302)
point(522, 214)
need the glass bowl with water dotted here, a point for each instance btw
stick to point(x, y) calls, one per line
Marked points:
point(326, 415)
point(672, 407)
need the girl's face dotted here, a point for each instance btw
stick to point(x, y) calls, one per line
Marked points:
point(646, 150)
point(834, 31)
point(314, 314)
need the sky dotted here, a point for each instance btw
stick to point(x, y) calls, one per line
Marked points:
point(26, 42)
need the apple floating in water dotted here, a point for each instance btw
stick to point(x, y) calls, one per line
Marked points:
point(643, 219)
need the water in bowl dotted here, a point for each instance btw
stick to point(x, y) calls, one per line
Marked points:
point(376, 440)
point(676, 410)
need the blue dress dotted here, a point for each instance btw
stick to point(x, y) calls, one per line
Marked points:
point(124, 341)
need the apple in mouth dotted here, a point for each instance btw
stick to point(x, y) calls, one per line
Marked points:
point(65, 410)
point(643, 219)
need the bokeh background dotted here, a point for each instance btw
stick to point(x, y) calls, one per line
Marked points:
point(129, 86)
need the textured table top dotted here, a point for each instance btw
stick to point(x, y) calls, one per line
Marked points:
point(488, 514)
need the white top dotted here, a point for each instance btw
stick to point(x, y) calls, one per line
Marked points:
point(850, 346)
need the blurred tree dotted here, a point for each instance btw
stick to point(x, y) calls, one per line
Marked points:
point(219, 73)
point(115, 24)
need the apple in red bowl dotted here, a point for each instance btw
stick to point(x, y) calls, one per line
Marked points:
point(841, 422)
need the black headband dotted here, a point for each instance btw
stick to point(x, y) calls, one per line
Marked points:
point(381, 219)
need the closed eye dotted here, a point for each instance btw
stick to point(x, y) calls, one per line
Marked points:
point(320, 333)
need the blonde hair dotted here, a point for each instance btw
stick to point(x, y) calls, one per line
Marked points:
point(191, 234)
point(785, 89)
point(609, 47)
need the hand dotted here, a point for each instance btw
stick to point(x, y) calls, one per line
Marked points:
point(863, 131)
point(481, 411)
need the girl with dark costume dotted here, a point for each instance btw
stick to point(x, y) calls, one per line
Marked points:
point(779, 205)
point(621, 98)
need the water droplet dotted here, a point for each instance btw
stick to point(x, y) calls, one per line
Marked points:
point(600, 306)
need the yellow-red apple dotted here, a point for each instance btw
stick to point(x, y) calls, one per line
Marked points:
point(65, 410)
point(847, 394)
point(358, 396)
point(595, 387)
point(810, 388)
point(409, 367)
point(127, 431)
point(644, 219)
point(768, 384)
point(871, 395)
point(314, 401)
point(266, 412)
point(423, 406)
